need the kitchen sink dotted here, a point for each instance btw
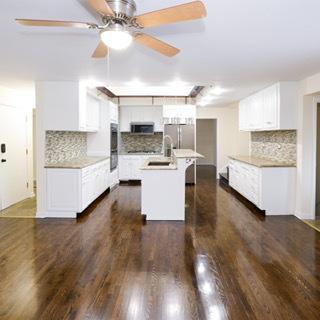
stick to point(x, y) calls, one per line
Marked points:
point(159, 163)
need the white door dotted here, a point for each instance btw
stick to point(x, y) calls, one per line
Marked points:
point(13, 160)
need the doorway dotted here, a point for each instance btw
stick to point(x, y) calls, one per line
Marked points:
point(317, 215)
point(16, 165)
point(206, 141)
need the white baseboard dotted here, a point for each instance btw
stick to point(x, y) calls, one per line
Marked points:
point(305, 216)
point(56, 214)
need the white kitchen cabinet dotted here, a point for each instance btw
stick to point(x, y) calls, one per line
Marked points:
point(68, 106)
point(181, 112)
point(114, 178)
point(70, 191)
point(98, 143)
point(130, 114)
point(129, 166)
point(269, 188)
point(91, 121)
point(274, 108)
point(114, 113)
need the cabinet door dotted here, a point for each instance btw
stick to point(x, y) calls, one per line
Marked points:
point(86, 192)
point(123, 169)
point(63, 190)
point(92, 113)
point(158, 119)
point(114, 113)
point(125, 118)
point(255, 111)
point(271, 107)
point(243, 115)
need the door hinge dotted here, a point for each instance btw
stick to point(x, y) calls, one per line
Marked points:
point(27, 151)
point(27, 184)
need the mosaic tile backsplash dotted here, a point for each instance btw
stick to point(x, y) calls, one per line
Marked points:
point(64, 146)
point(131, 142)
point(275, 145)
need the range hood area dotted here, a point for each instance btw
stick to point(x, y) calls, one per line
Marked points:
point(142, 128)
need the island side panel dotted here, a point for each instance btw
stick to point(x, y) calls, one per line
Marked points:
point(163, 194)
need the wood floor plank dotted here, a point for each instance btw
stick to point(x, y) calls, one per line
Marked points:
point(227, 261)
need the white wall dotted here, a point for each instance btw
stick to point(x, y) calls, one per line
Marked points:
point(318, 164)
point(207, 141)
point(34, 139)
point(309, 90)
point(230, 141)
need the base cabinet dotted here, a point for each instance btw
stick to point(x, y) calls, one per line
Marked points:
point(270, 188)
point(129, 166)
point(70, 191)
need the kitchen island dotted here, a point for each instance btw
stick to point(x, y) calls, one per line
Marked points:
point(163, 185)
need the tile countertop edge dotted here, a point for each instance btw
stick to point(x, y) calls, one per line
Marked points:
point(262, 163)
point(76, 163)
point(140, 154)
point(186, 153)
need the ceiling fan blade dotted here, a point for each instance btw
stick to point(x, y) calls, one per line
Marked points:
point(55, 23)
point(102, 7)
point(101, 51)
point(156, 44)
point(184, 12)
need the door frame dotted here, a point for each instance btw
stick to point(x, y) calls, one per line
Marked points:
point(217, 123)
point(315, 110)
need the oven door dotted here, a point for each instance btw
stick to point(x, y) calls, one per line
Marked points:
point(114, 137)
point(113, 161)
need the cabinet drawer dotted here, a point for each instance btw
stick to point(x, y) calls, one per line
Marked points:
point(245, 179)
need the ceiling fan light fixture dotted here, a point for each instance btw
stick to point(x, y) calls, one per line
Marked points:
point(117, 39)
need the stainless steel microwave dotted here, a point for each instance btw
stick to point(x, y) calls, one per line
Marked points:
point(142, 128)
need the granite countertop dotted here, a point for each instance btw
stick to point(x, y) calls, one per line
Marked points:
point(76, 163)
point(123, 153)
point(262, 163)
point(171, 166)
point(186, 153)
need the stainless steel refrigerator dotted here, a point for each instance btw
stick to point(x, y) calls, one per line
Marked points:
point(183, 136)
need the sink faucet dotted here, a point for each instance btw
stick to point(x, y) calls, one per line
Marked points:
point(168, 151)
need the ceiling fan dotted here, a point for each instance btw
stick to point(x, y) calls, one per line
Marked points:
point(120, 26)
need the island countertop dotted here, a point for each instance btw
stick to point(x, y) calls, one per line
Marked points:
point(78, 163)
point(171, 166)
point(186, 153)
point(262, 163)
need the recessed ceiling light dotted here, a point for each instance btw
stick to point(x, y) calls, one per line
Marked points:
point(177, 83)
point(135, 83)
point(217, 91)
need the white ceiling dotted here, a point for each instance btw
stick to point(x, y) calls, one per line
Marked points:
point(241, 46)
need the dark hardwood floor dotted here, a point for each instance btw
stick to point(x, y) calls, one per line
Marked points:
point(227, 261)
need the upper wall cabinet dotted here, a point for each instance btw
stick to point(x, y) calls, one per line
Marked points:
point(180, 113)
point(68, 106)
point(274, 108)
point(130, 114)
point(114, 113)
